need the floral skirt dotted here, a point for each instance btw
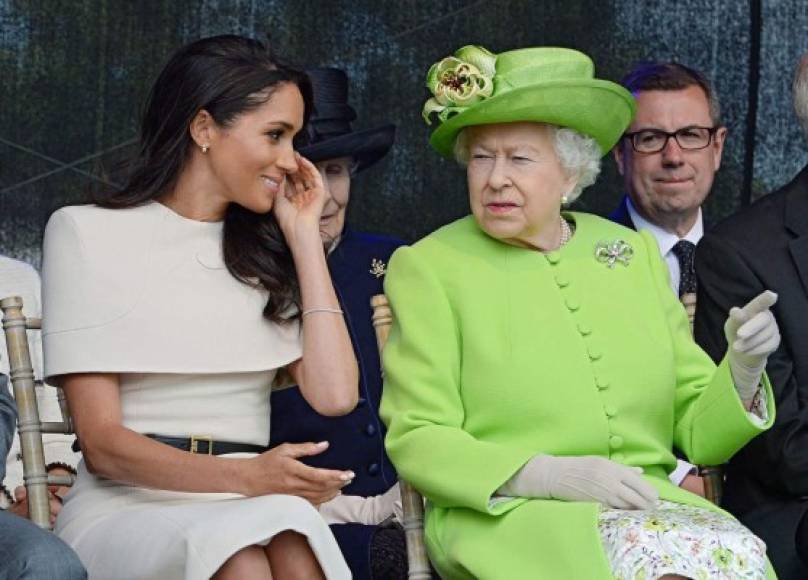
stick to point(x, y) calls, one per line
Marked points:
point(673, 538)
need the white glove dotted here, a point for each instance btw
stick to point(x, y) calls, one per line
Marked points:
point(347, 509)
point(588, 478)
point(752, 335)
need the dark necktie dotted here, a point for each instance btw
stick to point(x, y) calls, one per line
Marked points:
point(684, 252)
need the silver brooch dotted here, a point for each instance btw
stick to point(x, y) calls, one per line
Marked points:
point(378, 268)
point(610, 253)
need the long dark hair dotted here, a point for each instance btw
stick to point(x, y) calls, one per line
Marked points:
point(227, 76)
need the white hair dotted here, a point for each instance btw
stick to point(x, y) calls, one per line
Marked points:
point(799, 93)
point(578, 154)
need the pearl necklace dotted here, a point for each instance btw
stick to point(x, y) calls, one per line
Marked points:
point(566, 233)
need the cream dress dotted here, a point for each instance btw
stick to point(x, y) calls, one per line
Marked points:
point(145, 293)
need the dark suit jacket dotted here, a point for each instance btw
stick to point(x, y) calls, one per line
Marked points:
point(766, 247)
point(621, 216)
point(357, 439)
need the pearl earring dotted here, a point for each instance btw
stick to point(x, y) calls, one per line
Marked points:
point(564, 200)
point(205, 148)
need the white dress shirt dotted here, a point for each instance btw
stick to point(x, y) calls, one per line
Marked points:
point(667, 240)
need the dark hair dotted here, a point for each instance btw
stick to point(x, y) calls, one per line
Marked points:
point(227, 76)
point(671, 76)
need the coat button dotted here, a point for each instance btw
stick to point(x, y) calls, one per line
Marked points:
point(611, 411)
point(373, 469)
point(594, 353)
point(361, 401)
point(553, 257)
point(618, 457)
point(615, 442)
point(572, 304)
point(562, 281)
point(370, 430)
point(584, 329)
point(601, 383)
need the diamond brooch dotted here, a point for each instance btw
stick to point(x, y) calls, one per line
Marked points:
point(610, 253)
point(378, 268)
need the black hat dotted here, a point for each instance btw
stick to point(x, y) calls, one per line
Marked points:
point(328, 134)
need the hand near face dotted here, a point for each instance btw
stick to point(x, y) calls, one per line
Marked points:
point(299, 207)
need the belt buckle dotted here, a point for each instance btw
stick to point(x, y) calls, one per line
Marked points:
point(195, 439)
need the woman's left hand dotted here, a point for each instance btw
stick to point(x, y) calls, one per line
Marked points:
point(299, 206)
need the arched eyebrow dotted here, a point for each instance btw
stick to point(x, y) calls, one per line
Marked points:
point(283, 124)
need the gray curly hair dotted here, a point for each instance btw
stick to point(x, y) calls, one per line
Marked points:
point(578, 154)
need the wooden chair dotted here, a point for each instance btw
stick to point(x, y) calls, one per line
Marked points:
point(16, 327)
point(411, 501)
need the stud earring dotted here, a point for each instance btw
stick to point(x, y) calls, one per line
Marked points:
point(564, 200)
point(205, 148)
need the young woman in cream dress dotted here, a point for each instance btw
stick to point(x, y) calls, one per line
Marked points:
point(169, 308)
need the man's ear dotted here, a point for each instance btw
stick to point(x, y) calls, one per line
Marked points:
point(619, 157)
point(203, 129)
point(718, 146)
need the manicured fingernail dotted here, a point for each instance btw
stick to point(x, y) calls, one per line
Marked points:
point(322, 444)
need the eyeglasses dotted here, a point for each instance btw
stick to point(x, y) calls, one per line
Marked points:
point(655, 140)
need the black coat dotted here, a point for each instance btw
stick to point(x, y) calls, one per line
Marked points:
point(766, 247)
point(356, 439)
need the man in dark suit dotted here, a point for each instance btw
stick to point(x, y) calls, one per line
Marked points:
point(363, 517)
point(765, 246)
point(668, 159)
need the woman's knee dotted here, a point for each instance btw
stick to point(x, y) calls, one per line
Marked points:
point(292, 558)
point(250, 562)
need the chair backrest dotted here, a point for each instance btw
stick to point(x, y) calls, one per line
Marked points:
point(411, 501)
point(16, 327)
point(689, 302)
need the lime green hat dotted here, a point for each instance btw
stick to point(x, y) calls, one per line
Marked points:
point(543, 84)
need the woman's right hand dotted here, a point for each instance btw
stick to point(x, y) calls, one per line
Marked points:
point(300, 204)
point(588, 478)
point(279, 470)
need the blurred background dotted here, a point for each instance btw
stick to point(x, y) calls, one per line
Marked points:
point(74, 75)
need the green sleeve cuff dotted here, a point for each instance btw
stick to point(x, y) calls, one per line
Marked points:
point(721, 425)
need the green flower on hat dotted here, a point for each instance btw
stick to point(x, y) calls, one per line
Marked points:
point(459, 81)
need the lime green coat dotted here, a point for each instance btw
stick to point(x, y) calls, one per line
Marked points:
point(498, 353)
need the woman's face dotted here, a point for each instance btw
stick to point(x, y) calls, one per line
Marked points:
point(251, 157)
point(337, 180)
point(515, 181)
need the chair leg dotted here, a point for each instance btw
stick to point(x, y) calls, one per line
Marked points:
point(30, 427)
point(413, 507)
point(713, 482)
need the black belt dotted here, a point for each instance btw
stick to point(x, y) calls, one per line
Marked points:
point(204, 445)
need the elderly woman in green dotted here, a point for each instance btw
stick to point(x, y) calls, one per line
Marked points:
point(539, 369)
